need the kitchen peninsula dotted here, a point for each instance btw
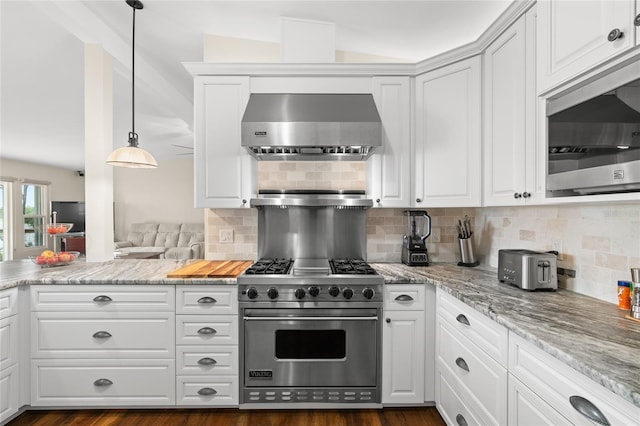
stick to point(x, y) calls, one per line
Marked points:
point(588, 335)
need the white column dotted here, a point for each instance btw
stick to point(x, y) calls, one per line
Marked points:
point(98, 144)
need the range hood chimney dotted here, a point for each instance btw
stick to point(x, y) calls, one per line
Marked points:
point(315, 127)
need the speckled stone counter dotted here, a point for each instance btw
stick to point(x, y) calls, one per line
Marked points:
point(589, 335)
point(120, 271)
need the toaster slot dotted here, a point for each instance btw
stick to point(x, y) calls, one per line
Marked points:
point(544, 271)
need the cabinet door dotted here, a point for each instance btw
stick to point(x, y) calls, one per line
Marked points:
point(224, 171)
point(448, 136)
point(9, 391)
point(403, 357)
point(573, 36)
point(388, 170)
point(504, 108)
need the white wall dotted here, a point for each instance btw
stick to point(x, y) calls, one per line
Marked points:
point(66, 185)
point(164, 195)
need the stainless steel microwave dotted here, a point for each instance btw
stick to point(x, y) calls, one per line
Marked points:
point(594, 136)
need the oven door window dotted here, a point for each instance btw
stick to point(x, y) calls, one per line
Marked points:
point(311, 344)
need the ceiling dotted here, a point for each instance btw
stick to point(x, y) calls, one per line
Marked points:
point(42, 54)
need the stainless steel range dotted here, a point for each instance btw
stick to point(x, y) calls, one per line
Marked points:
point(310, 330)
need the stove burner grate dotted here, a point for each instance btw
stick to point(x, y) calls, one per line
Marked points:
point(270, 267)
point(351, 267)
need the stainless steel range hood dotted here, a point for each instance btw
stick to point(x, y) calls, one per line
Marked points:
point(317, 127)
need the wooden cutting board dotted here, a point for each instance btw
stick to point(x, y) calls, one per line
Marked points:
point(211, 269)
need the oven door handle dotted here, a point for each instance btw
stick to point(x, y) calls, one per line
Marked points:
point(375, 318)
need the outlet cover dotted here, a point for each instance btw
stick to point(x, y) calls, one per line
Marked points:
point(225, 236)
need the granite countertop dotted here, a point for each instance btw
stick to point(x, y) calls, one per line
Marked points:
point(587, 334)
point(590, 335)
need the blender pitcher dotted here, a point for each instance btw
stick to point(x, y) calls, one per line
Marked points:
point(414, 248)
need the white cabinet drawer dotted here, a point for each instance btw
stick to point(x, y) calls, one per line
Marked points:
point(450, 405)
point(102, 335)
point(528, 409)
point(475, 371)
point(206, 299)
point(81, 382)
point(8, 341)
point(206, 329)
point(103, 298)
point(482, 331)
point(8, 302)
point(194, 390)
point(9, 391)
point(207, 360)
point(556, 383)
point(404, 297)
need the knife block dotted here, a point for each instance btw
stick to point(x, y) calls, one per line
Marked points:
point(467, 257)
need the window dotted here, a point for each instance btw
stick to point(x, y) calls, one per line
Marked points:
point(34, 213)
point(5, 224)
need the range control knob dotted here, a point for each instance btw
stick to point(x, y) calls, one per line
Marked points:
point(368, 293)
point(334, 290)
point(347, 293)
point(299, 293)
point(272, 293)
point(314, 291)
point(252, 293)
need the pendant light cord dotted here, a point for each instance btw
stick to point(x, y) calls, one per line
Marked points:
point(133, 74)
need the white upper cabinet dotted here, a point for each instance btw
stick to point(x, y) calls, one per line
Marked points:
point(389, 169)
point(448, 136)
point(513, 153)
point(575, 36)
point(225, 174)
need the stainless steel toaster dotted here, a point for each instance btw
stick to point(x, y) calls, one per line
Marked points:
point(528, 269)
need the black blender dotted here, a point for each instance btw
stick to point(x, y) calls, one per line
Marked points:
point(414, 249)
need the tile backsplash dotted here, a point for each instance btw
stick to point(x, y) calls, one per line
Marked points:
point(312, 175)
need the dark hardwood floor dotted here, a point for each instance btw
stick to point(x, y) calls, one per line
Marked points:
point(423, 416)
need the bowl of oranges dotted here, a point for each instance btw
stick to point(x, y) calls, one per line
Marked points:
point(50, 258)
point(59, 228)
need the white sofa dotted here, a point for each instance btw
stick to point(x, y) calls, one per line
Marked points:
point(178, 240)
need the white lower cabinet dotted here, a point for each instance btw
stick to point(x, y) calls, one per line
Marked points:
point(102, 345)
point(471, 372)
point(207, 346)
point(571, 395)
point(403, 345)
point(528, 409)
point(9, 354)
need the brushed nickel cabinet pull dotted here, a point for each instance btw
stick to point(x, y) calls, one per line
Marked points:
point(207, 361)
point(588, 409)
point(404, 298)
point(207, 299)
point(102, 298)
point(461, 420)
point(102, 382)
point(462, 319)
point(101, 335)
point(460, 362)
point(207, 330)
point(207, 392)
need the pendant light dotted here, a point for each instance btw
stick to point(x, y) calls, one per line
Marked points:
point(132, 155)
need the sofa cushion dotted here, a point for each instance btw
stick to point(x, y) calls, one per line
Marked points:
point(179, 253)
point(188, 237)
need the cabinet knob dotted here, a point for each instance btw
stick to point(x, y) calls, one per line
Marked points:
point(615, 34)
point(636, 21)
point(207, 299)
point(517, 195)
point(103, 382)
point(588, 409)
point(461, 420)
point(418, 200)
point(388, 320)
point(207, 392)
point(207, 330)
point(378, 200)
point(460, 362)
point(101, 335)
point(526, 194)
point(244, 201)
